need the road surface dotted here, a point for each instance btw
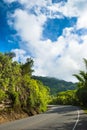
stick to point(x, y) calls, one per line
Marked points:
point(57, 118)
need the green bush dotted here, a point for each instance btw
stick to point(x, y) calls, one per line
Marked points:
point(82, 96)
point(14, 96)
point(2, 95)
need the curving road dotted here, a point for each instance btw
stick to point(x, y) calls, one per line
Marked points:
point(57, 118)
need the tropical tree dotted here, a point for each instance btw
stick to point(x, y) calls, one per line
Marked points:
point(82, 76)
point(27, 67)
point(82, 85)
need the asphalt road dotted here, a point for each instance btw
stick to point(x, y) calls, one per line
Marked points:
point(57, 118)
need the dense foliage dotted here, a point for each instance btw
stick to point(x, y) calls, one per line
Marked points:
point(82, 85)
point(18, 87)
point(65, 98)
point(56, 85)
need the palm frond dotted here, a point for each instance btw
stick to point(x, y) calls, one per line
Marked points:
point(83, 74)
point(79, 77)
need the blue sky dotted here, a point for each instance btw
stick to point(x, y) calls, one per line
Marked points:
point(7, 33)
point(53, 28)
point(52, 32)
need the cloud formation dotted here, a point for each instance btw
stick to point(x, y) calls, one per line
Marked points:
point(60, 58)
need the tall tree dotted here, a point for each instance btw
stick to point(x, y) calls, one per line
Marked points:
point(82, 85)
point(27, 67)
point(82, 76)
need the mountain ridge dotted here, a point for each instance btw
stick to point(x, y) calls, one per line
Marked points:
point(56, 85)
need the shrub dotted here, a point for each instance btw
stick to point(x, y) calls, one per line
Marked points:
point(2, 95)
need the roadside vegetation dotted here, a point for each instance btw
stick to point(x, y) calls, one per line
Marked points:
point(18, 90)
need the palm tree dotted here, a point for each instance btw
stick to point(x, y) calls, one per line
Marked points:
point(82, 76)
point(82, 85)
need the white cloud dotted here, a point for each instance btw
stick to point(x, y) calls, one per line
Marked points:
point(31, 3)
point(82, 20)
point(62, 58)
point(63, 67)
point(74, 8)
point(29, 26)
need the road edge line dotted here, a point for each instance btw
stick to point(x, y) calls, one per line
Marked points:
point(77, 120)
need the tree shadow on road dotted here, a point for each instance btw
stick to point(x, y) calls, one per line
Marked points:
point(62, 109)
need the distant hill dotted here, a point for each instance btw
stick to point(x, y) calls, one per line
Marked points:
point(56, 85)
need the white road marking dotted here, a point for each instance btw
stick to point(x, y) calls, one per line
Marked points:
point(76, 120)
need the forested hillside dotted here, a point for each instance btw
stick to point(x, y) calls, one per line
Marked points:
point(56, 85)
point(18, 91)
